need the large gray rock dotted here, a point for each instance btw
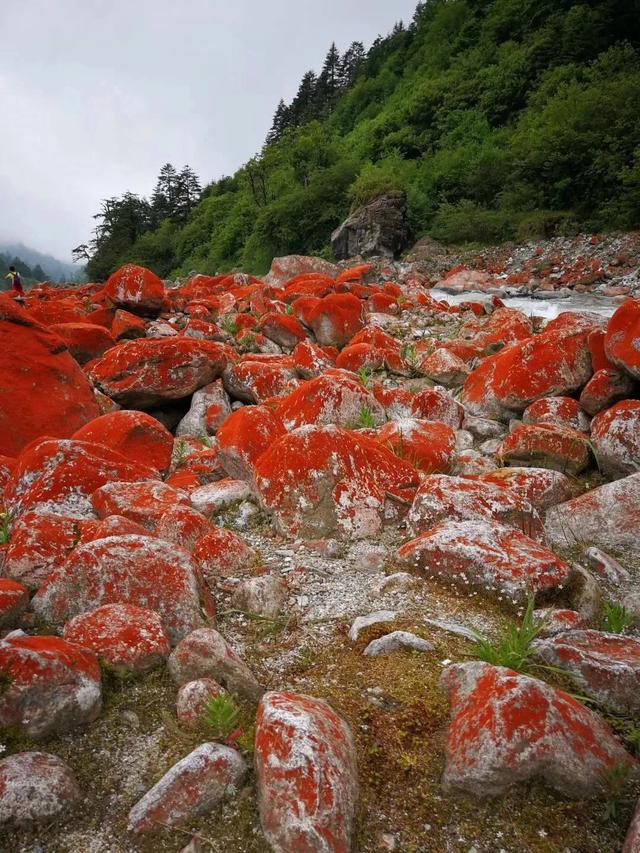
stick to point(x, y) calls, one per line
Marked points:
point(378, 228)
point(35, 786)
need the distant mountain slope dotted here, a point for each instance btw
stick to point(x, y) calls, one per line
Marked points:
point(55, 269)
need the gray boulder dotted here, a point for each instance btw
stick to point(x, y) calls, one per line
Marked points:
point(378, 228)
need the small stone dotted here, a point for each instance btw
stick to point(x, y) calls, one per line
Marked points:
point(264, 596)
point(35, 786)
point(362, 622)
point(397, 640)
point(193, 697)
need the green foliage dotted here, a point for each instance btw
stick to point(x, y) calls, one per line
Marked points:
point(221, 715)
point(615, 618)
point(229, 325)
point(513, 648)
point(365, 376)
point(5, 527)
point(614, 782)
point(366, 419)
point(500, 119)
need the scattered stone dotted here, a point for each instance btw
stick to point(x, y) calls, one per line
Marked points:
point(192, 699)
point(35, 786)
point(397, 640)
point(363, 622)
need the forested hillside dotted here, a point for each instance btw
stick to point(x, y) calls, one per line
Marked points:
point(28, 274)
point(502, 119)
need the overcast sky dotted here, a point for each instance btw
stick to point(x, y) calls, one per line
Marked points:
point(98, 94)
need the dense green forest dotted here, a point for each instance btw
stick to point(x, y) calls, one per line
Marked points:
point(501, 119)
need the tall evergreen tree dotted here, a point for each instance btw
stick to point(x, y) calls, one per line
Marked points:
point(350, 63)
point(281, 121)
point(302, 106)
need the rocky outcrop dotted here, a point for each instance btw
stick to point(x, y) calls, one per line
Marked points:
point(378, 228)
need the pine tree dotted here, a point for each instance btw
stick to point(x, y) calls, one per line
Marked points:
point(303, 105)
point(280, 123)
point(328, 81)
point(165, 195)
point(188, 191)
point(350, 64)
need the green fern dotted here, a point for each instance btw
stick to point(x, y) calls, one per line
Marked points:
point(221, 715)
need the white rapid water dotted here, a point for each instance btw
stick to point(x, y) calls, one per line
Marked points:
point(547, 308)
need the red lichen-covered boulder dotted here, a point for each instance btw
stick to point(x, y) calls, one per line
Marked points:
point(288, 267)
point(182, 525)
point(608, 516)
point(138, 570)
point(125, 637)
point(307, 775)
point(555, 362)
point(58, 477)
point(320, 481)
point(546, 446)
point(144, 502)
point(113, 525)
point(136, 435)
point(255, 381)
point(84, 341)
point(616, 438)
point(555, 620)
point(557, 411)
point(191, 788)
point(50, 686)
point(336, 319)
point(310, 361)
point(437, 404)
point(622, 341)
point(605, 666)
point(148, 371)
point(428, 445)
point(355, 357)
point(35, 786)
point(222, 553)
point(488, 556)
point(606, 387)
point(541, 487)
point(508, 728)
point(397, 402)
point(43, 390)
point(206, 654)
point(244, 437)
point(444, 367)
point(127, 327)
point(442, 498)
point(336, 398)
point(282, 329)
point(7, 467)
point(14, 600)
point(136, 289)
point(39, 542)
point(192, 700)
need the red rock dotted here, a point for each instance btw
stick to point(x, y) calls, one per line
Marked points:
point(442, 498)
point(222, 553)
point(50, 685)
point(354, 357)
point(508, 728)
point(557, 411)
point(606, 387)
point(113, 525)
point(318, 481)
point(136, 289)
point(7, 467)
point(622, 341)
point(136, 435)
point(145, 372)
point(428, 445)
point(206, 654)
point(58, 477)
point(615, 434)
point(191, 788)
point(215, 497)
point(143, 502)
point(306, 775)
point(138, 570)
point(83, 340)
point(182, 525)
point(608, 516)
point(256, 381)
point(540, 487)
point(282, 329)
point(286, 268)
point(546, 446)
point(336, 319)
point(605, 666)
point(337, 398)
point(125, 637)
point(127, 327)
point(489, 556)
point(39, 542)
point(192, 700)
point(397, 402)
point(555, 362)
point(48, 393)
point(444, 367)
point(437, 404)
point(303, 308)
point(356, 273)
point(599, 360)
point(310, 284)
point(310, 361)
point(14, 599)
point(35, 786)
point(558, 620)
point(245, 436)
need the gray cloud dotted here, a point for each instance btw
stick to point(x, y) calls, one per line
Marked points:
point(98, 94)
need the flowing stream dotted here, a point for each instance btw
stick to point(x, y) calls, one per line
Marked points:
point(547, 308)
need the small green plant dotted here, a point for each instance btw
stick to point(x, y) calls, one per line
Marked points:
point(614, 781)
point(5, 527)
point(288, 310)
point(615, 618)
point(207, 441)
point(366, 419)
point(365, 376)
point(221, 715)
point(513, 648)
point(229, 325)
point(180, 450)
point(409, 353)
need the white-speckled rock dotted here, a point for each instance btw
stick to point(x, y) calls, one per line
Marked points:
point(35, 786)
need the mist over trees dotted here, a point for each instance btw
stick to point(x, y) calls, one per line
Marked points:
point(500, 119)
